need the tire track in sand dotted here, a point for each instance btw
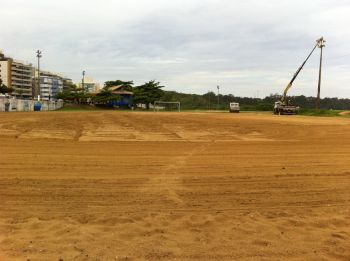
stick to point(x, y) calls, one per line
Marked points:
point(169, 181)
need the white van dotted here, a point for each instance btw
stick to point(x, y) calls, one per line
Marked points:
point(234, 107)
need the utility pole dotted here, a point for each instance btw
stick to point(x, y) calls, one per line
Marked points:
point(218, 96)
point(209, 98)
point(320, 43)
point(39, 55)
point(82, 81)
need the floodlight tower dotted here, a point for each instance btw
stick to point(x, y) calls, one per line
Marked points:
point(209, 98)
point(38, 55)
point(82, 81)
point(320, 44)
point(218, 96)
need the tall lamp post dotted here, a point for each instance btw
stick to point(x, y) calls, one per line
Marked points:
point(218, 96)
point(38, 55)
point(209, 98)
point(321, 44)
point(82, 81)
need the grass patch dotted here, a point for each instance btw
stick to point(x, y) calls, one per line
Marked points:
point(322, 113)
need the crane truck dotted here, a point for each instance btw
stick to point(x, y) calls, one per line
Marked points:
point(283, 106)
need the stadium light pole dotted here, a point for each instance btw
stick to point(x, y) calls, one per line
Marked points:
point(321, 44)
point(82, 81)
point(38, 55)
point(218, 96)
point(209, 98)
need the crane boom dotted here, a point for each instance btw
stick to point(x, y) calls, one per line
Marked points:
point(283, 99)
point(282, 106)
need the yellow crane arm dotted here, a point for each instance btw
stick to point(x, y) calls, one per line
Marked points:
point(284, 97)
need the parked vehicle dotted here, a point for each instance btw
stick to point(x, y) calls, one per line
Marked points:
point(234, 107)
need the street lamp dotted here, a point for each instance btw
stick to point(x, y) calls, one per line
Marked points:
point(39, 55)
point(209, 98)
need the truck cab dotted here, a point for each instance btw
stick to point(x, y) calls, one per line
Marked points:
point(234, 107)
point(285, 109)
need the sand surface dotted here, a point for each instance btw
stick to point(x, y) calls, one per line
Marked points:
point(173, 186)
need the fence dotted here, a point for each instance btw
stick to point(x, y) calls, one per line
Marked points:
point(15, 104)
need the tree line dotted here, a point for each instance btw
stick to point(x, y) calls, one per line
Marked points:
point(146, 93)
point(212, 101)
point(152, 91)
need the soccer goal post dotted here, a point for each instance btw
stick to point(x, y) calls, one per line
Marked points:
point(166, 106)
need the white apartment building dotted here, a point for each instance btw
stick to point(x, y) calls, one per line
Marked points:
point(17, 75)
point(50, 85)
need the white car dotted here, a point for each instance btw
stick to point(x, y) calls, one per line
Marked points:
point(234, 107)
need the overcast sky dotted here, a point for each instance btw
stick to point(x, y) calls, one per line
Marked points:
point(248, 48)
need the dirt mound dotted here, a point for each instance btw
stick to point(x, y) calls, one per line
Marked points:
point(344, 113)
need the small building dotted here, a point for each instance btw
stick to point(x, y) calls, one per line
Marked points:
point(126, 96)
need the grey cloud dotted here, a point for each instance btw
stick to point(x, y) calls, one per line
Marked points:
point(192, 46)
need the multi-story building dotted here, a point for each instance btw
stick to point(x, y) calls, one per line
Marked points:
point(50, 84)
point(17, 75)
point(67, 83)
point(90, 85)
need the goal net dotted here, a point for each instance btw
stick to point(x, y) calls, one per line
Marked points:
point(166, 106)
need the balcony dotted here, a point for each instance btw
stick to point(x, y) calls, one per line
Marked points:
point(20, 84)
point(21, 73)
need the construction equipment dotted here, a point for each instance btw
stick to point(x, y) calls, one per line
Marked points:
point(284, 106)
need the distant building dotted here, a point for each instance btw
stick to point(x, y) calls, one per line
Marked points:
point(17, 75)
point(50, 84)
point(90, 85)
point(23, 79)
point(67, 83)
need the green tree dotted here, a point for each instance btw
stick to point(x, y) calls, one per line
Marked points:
point(127, 86)
point(148, 93)
point(4, 89)
point(20, 93)
point(74, 94)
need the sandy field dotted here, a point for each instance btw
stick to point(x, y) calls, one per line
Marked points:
point(106, 185)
